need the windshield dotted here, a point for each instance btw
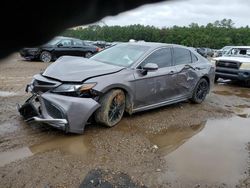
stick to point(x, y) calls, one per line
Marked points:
point(226, 48)
point(54, 41)
point(121, 55)
point(238, 52)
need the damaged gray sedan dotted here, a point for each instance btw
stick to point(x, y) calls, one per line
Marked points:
point(128, 77)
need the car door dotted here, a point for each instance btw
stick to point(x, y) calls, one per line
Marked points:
point(64, 47)
point(155, 86)
point(187, 69)
point(79, 48)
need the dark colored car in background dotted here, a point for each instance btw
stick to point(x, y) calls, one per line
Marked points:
point(128, 77)
point(205, 52)
point(102, 44)
point(57, 47)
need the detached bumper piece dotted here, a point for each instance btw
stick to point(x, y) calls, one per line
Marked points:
point(59, 123)
point(63, 112)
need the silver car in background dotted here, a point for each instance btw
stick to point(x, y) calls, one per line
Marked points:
point(128, 77)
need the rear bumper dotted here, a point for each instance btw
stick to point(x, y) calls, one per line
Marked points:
point(63, 112)
point(233, 74)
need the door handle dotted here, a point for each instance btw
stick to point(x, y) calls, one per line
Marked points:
point(197, 68)
point(172, 72)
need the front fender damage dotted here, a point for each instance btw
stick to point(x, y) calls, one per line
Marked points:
point(64, 112)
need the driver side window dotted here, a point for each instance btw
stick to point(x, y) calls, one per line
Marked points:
point(161, 57)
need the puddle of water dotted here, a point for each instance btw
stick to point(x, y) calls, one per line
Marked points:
point(233, 91)
point(7, 94)
point(76, 145)
point(217, 154)
point(10, 156)
point(170, 139)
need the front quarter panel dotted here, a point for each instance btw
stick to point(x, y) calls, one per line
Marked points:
point(123, 79)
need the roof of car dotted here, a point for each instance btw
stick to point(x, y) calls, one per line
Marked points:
point(62, 37)
point(153, 44)
point(244, 47)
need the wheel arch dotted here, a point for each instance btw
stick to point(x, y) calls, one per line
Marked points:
point(128, 95)
point(206, 77)
point(51, 51)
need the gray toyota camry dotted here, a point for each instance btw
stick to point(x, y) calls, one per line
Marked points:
point(128, 77)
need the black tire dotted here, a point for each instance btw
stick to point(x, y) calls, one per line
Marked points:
point(200, 91)
point(88, 54)
point(45, 57)
point(247, 83)
point(216, 78)
point(112, 108)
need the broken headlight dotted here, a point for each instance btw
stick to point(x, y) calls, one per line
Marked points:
point(77, 90)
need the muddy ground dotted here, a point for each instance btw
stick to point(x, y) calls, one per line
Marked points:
point(182, 145)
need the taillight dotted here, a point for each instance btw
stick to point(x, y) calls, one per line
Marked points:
point(98, 49)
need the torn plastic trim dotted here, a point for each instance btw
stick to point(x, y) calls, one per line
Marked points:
point(59, 123)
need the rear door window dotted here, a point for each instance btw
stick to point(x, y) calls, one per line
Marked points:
point(77, 43)
point(182, 56)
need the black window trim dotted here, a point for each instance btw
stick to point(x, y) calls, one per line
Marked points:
point(171, 51)
point(192, 54)
point(66, 39)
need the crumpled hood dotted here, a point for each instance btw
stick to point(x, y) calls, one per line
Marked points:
point(233, 58)
point(78, 69)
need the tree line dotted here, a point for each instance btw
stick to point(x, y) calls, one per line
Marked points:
point(213, 35)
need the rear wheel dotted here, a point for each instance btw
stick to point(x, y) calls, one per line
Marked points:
point(200, 92)
point(112, 108)
point(88, 54)
point(247, 83)
point(46, 57)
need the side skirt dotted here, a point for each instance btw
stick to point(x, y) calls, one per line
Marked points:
point(164, 103)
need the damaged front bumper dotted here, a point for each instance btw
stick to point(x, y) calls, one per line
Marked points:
point(63, 112)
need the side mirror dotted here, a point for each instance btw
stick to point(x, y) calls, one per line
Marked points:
point(60, 45)
point(149, 67)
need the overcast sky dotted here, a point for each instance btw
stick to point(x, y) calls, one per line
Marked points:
point(184, 12)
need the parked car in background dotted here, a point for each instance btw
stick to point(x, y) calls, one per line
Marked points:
point(89, 42)
point(58, 47)
point(128, 77)
point(223, 51)
point(205, 52)
point(234, 65)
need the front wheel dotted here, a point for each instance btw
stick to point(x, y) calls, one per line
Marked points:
point(200, 91)
point(45, 57)
point(112, 108)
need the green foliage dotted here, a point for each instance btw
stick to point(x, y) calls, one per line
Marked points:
point(213, 35)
